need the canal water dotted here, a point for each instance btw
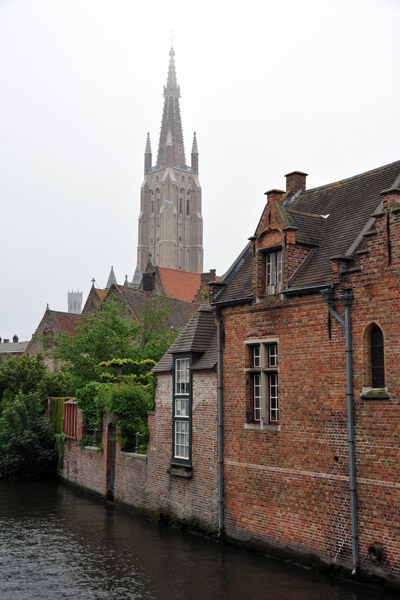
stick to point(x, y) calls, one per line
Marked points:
point(56, 543)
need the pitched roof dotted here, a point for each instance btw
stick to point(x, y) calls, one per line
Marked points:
point(66, 322)
point(330, 220)
point(332, 216)
point(237, 282)
point(199, 337)
point(179, 284)
point(177, 316)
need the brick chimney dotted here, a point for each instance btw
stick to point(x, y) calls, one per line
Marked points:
point(295, 181)
point(273, 195)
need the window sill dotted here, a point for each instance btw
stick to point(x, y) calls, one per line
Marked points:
point(261, 427)
point(185, 472)
point(134, 455)
point(375, 394)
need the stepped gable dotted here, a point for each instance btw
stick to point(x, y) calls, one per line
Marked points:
point(179, 284)
point(236, 284)
point(331, 218)
point(199, 336)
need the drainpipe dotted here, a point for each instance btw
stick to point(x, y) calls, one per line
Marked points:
point(220, 426)
point(347, 299)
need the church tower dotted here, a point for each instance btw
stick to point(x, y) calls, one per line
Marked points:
point(170, 221)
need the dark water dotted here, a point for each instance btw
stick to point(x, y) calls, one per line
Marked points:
point(56, 543)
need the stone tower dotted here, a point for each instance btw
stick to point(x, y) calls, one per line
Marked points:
point(75, 302)
point(170, 221)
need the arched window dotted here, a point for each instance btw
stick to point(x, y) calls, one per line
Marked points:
point(187, 206)
point(377, 357)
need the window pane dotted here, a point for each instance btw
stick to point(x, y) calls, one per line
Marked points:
point(377, 358)
point(182, 407)
point(273, 397)
point(182, 376)
point(257, 397)
point(256, 356)
point(182, 439)
point(273, 355)
point(278, 271)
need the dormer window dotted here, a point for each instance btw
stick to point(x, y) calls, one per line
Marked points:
point(273, 272)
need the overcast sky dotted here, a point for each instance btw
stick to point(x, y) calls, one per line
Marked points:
point(269, 86)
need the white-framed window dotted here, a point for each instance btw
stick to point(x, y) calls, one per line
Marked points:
point(182, 412)
point(263, 371)
point(182, 376)
point(273, 272)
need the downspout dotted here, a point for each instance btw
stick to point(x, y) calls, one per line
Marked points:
point(220, 425)
point(347, 299)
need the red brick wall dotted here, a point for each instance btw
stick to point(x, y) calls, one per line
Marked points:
point(289, 489)
point(144, 482)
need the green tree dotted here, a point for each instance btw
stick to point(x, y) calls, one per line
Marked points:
point(27, 443)
point(109, 334)
point(29, 374)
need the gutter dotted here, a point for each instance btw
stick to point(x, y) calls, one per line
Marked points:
point(347, 299)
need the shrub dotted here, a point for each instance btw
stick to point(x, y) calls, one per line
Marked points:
point(27, 445)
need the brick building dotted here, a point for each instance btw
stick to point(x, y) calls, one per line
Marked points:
point(310, 339)
point(291, 444)
point(178, 478)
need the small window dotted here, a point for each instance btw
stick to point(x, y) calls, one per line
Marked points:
point(180, 205)
point(188, 207)
point(377, 357)
point(273, 272)
point(182, 376)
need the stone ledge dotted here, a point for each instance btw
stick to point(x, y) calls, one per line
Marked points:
point(185, 472)
point(260, 427)
point(133, 455)
point(375, 394)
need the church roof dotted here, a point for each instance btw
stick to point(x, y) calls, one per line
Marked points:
point(179, 284)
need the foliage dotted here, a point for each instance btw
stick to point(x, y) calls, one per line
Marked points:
point(57, 413)
point(29, 374)
point(27, 445)
point(129, 403)
point(111, 335)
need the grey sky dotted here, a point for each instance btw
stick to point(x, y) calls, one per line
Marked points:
point(269, 87)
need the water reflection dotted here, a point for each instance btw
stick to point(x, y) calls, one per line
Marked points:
point(56, 543)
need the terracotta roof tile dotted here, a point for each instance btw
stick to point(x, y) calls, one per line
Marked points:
point(66, 322)
point(183, 285)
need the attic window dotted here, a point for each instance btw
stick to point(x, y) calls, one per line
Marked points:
point(273, 272)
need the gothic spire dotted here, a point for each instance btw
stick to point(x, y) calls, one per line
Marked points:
point(147, 155)
point(171, 119)
point(111, 279)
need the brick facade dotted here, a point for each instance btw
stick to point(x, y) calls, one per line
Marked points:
point(146, 482)
point(287, 483)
